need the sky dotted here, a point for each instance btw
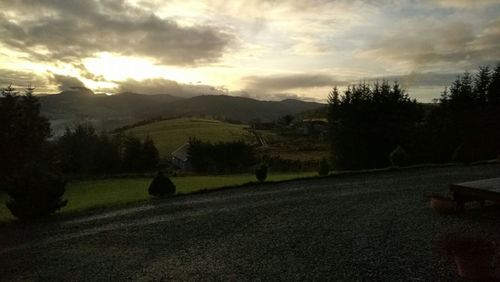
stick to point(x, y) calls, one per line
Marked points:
point(264, 49)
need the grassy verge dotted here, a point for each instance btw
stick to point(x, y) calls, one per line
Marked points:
point(89, 194)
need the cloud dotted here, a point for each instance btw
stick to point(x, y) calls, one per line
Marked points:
point(20, 79)
point(65, 82)
point(150, 86)
point(429, 43)
point(84, 72)
point(154, 86)
point(465, 3)
point(278, 83)
point(69, 30)
point(419, 79)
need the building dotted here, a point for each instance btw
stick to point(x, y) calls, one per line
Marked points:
point(180, 157)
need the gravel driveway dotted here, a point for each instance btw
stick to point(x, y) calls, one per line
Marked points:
point(360, 227)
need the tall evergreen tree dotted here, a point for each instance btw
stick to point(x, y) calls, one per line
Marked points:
point(368, 122)
point(23, 131)
point(493, 93)
point(150, 154)
point(28, 176)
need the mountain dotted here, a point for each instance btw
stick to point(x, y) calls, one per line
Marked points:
point(236, 108)
point(108, 112)
point(105, 112)
point(83, 103)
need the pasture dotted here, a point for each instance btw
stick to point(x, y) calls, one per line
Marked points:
point(168, 135)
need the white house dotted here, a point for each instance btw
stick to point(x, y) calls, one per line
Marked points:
point(180, 157)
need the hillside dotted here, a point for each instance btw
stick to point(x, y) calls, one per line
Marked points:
point(109, 112)
point(105, 112)
point(168, 135)
point(83, 103)
point(237, 108)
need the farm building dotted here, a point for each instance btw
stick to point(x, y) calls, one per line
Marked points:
point(180, 157)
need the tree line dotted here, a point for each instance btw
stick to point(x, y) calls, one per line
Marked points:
point(34, 168)
point(220, 157)
point(81, 150)
point(371, 121)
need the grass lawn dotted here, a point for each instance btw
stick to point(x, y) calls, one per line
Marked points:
point(83, 195)
point(168, 135)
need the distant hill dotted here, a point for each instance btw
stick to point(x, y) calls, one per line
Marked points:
point(237, 108)
point(105, 112)
point(82, 103)
point(168, 135)
point(109, 112)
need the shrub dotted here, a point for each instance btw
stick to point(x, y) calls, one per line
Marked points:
point(324, 167)
point(399, 157)
point(35, 193)
point(465, 153)
point(261, 172)
point(161, 186)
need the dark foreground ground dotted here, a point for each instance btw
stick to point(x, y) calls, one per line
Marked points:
point(364, 227)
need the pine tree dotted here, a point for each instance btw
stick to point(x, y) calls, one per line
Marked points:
point(28, 176)
point(482, 82)
point(150, 155)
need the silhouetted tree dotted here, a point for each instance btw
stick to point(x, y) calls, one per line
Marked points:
point(261, 172)
point(221, 157)
point(150, 154)
point(78, 149)
point(23, 131)
point(138, 155)
point(82, 150)
point(161, 186)
point(132, 154)
point(399, 157)
point(368, 122)
point(324, 167)
point(468, 117)
point(28, 175)
point(35, 192)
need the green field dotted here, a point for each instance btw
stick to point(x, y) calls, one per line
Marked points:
point(168, 135)
point(84, 195)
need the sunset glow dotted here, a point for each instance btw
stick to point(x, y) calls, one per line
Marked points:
point(246, 46)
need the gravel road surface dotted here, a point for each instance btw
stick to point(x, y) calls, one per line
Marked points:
point(359, 227)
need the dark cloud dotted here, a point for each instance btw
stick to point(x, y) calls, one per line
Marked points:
point(22, 79)
point(431, 44)
point(84, 72)
point(64, 82)
point(279, 83)
point(150, 86)
point(69, 30)
point(465, 3)
point(273, 96)
point(416, 79)
point(165, 86)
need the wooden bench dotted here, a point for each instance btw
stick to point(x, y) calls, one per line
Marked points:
point(479, 190)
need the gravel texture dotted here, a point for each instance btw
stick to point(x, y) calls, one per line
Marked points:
point(360, 227)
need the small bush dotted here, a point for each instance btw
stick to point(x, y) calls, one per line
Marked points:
point(399, 157)
point(161, 186)
point(464, 153)
point(261, 172)
point(324, 167)
point(35, 193)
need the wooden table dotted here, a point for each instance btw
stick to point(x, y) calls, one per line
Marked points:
point(479, 190)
